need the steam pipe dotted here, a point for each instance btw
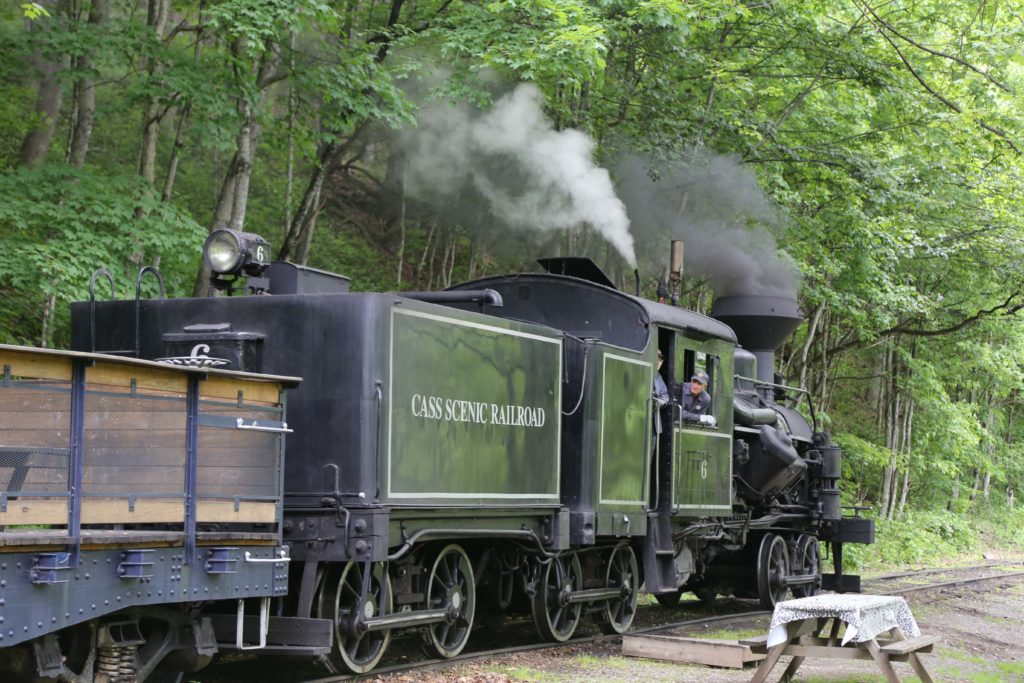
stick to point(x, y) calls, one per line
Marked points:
point(636, 274)
point(675, 273)
point(487, 297)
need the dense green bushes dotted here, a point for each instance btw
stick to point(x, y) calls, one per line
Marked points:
point(935, 538)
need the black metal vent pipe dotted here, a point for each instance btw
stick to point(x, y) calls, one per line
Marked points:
point(479, 296)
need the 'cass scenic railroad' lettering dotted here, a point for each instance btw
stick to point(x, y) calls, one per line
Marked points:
point(454, 410)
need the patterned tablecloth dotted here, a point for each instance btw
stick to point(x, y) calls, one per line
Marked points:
point(865, 615)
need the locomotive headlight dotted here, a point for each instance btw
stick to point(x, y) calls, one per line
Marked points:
point(230, 252)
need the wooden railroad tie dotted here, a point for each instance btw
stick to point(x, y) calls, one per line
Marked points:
point(710, 652)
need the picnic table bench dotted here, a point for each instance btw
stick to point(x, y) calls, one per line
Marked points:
point(798, 626)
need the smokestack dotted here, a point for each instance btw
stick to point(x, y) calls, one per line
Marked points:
point(761, 324)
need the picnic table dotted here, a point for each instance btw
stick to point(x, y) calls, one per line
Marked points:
point(798, 626)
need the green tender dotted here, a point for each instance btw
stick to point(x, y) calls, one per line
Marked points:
point(474, 410)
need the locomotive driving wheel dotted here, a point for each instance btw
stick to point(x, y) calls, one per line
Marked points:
point(451, 587)
point(354, 648)
point(621, 573)
point(772, 569)
point(554, 616)
point(807, 562)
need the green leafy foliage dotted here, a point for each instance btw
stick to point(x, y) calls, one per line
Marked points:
point(61, 224)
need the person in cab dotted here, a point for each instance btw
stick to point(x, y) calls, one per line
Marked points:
point(695, 403)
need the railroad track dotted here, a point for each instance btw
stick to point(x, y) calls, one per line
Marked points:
point(871, 585)
point(946, 584)
point(944, 570)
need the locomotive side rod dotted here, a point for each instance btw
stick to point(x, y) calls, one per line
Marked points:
point(435, 616)
point(403, 619)
point(594, 595)
point(801, 579)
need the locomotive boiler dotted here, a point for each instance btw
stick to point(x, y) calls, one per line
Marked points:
point(490, 449)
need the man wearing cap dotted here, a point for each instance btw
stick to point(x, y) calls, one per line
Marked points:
point(695, 402)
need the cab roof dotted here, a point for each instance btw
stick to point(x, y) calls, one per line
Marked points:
point(590, 310)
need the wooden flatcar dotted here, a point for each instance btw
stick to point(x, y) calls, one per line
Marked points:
point(141, 512)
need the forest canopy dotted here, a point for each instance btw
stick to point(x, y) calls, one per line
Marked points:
point(865, 156)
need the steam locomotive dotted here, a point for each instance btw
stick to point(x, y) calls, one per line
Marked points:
point(458, 455)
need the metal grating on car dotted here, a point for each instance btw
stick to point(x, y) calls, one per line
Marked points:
point(35, 423)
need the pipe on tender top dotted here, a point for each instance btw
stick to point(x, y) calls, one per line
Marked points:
point(475, 296)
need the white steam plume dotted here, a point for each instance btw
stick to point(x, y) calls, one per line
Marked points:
point(531, 175)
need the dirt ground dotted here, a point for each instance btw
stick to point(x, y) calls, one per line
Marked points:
point(981, 625)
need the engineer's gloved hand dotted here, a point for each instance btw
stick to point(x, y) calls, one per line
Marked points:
point(707, 420)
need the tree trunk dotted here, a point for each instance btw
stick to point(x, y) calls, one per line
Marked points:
point(49, 94)
point(293, 105)
point(430, 261)
point(231, 204)
point(887, 413)
point(49, 305)
point(974, 488)
point(300, 232)
point(156, 20)
point(85, 95)
point(401, 241)
point(823, 372)
point(426, 251)
point(907, 444)
point(246, 143)
point(221, 217)
point(179, 132)
point(441, 276)
point(299, 237)
point(812, 328)
point(451, 264)
point(179, 142)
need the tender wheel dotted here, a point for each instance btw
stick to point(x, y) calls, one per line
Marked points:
point(807, 562)
point(669, 600)
point(617, 613)
point(354, 649)
point(451, 587)
point(554, 616)
point(772, 568)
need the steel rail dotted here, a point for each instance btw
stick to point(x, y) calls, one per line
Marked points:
point(926, 572)
point(956, 582)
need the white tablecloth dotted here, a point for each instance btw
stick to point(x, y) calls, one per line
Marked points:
point(865, 615)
